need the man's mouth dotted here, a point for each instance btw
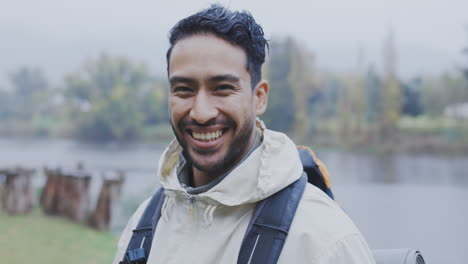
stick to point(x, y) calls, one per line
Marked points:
point(207, 136)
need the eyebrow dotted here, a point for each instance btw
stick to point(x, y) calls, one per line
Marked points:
point(217, 78)
point(224, 77)
point(178, 79)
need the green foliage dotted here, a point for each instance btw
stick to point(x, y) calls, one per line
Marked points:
point(154, 105)
point(292, 89)
point(5, 105)
point(373, 87)
point(464, 70)
point(440, 91)
point(30, 89)
point(411, 94)
point(304, 86)
point(112, 98)
point(280, 112)
point(426, 125)
point(116, 118)
point(28, 81)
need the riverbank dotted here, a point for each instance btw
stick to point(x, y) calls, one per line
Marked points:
point(39, 239)
point(415, 135)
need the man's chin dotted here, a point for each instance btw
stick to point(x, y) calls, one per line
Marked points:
point(206, 160)
point(213, 169)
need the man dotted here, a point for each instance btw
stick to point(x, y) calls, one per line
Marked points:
point(225, 161)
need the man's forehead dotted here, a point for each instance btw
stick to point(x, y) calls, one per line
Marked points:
point(204, 45)
point(208, 55)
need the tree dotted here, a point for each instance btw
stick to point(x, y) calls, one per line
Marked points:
point(27, 81)
point(5, 104)
point(154, 104)
point(29, 88)
point(280, 112)
point(302, 82)
point(391, 91)
point(373, 88)
point(344, 112)
point(106, 98)
point(292, 88)
point(412, 104)
point(465, 69)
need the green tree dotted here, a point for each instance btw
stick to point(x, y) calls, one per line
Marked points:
point(391, 100)
point(292, 88)
point(438, 92)
point(373, 87)
point(5, 104)
point(29, 89)
point(411, 98)
point(465, 68)
point(304, 87)
point(280, 111)
point(154, 103)
point(106, 98)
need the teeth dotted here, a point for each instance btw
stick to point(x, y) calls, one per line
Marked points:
point(207, 136)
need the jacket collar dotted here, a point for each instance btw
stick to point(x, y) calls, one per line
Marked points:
point(272, 166)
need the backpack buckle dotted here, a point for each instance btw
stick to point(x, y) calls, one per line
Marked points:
point(136, 256)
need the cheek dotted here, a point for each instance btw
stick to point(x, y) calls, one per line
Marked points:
point(239, 110)
point(178, 108)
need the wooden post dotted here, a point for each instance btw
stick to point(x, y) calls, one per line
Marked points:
point(110, 192)
point(67, 193)
point(77, 195)
point(17, 195)
point(49, 195)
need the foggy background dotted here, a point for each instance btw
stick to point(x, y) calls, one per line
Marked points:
point(58, 36)
point(379, 90)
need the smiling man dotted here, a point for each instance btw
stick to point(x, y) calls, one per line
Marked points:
point(225, 167)
point(212, 104)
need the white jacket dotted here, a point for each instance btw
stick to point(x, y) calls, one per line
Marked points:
point(209, 227)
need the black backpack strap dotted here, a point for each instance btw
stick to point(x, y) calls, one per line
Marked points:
point(269, 226)
point(139, 246)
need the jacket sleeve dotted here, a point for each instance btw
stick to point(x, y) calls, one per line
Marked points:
point(349, 250)
point(128, 231)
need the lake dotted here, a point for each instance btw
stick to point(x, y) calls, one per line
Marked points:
point(397, 200)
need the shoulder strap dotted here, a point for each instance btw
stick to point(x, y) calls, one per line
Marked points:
point(139, 246)
point(269, 226)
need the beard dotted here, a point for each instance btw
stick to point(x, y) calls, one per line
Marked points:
point(236, 149)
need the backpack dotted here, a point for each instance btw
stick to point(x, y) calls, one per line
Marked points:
point(267, 230)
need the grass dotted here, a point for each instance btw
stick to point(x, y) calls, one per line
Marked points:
point(36, 238)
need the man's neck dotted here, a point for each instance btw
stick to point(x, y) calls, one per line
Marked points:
point(200, 178)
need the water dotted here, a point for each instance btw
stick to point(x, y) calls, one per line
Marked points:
point(397, 201)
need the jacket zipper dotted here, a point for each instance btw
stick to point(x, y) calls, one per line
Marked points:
point(192, 206)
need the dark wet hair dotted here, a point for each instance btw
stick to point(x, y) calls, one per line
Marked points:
point(238, 28)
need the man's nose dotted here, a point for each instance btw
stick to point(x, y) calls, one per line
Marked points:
point(203, 109)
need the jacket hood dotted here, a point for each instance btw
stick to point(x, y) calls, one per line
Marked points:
point(272, 166)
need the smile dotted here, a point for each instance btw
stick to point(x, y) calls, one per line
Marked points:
point(207, 137)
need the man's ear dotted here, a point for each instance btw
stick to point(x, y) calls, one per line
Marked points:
point(261, 97)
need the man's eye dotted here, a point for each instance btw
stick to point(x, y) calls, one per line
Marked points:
point(224, 87)
point(182, 89)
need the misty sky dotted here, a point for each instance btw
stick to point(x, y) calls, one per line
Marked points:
point(59, 35)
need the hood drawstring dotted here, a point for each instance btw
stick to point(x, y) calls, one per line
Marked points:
point(209, 212)
point(169, 202)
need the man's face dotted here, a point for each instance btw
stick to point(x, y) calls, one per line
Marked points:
point(212, 106)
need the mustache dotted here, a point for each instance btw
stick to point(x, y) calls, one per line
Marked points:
point(224, 122)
